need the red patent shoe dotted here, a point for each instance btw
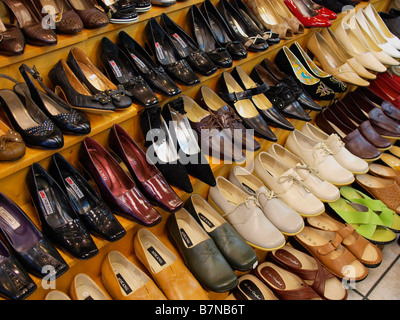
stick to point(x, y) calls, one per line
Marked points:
point(308, 17)
point(321, 9)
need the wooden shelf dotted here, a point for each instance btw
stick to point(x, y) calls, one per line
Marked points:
point(12, 174)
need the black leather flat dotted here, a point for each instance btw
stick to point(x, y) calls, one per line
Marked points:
point(222, 31)
point(302, 97)
point(280, 95)
point(59, 220)
point(232, 93)
point(188, 48)
point(206, 40)
point(153, 73)
point(249, 36)
point(36, 129)
point(66, 118)
point(121, 71)
point(15, 282)
point(120, 11)
point(75, 94)
point(165, 52)
point(93, 211)
point(36, 253)
point(271, 115)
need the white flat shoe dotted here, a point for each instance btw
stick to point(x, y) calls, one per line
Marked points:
point(287, 184)
point(317, 155)
point(244, 213)
point(322, 189)
point(282, 216)
point(346, 159)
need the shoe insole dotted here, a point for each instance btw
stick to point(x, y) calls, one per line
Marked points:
point(272, 166)
point(97, 80)
point(250, 182)
point(157, 254)
point(373, 182)
point(218, 30)
point(53, 107)
point(232, 193)
point(245, 108)
point(80, 5)
point(164, 147)
point(191, 232)
point(193, 111)
point(209, 218)
point(383, 171)
point(17, 229)
point(83, 198)
point(252, 287)
point(143, 170)
point(211, 99)
point(164, 54)
point(18, 110)
point(21, 13)
point(391, 160)
point(54, 210)
point(204, 38)
point(267, 16)
point(130, 278)
point(86, 289)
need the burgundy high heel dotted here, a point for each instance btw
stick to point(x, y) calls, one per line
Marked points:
point(116, 187)
point(149, 179)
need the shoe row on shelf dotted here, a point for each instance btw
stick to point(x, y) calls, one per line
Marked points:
point(261, 22)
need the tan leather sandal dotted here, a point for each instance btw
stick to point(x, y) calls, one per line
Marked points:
point(286, 285)
point(326, 247)
point(365, 251)
point(311, 271)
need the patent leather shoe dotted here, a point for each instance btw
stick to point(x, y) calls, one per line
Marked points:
point(15, 282)
point(59, 220)
point(92, 210)
point(123, 72)
point(153, 73)
point(188, 48)
point(280, 95)
point(27, 243)
point(222, 32)
point(167, 55)
point(206, 40)
point(190, 153)
point(115, 185)
point(146, 175)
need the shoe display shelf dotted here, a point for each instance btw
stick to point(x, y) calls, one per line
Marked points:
point(13, 174)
